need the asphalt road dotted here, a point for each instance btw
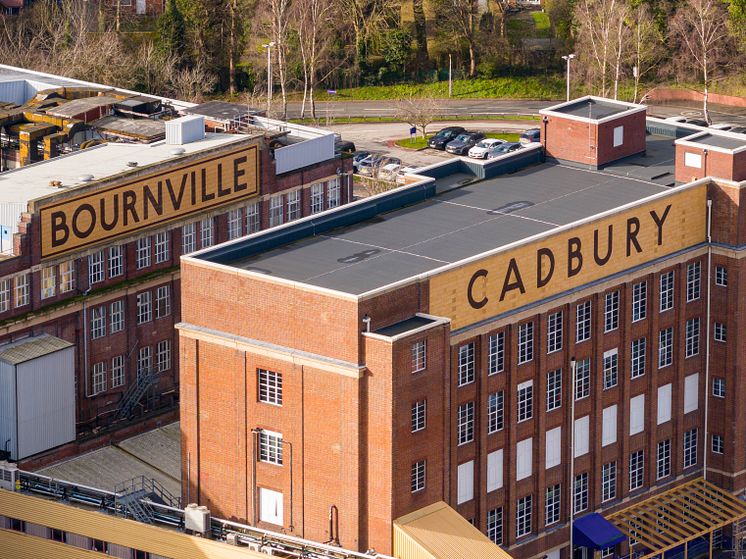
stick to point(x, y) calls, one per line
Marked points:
point(330, 110)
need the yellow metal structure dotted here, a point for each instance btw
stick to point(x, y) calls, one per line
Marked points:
point(439, 532)
point(679, 515)
point(99, 526)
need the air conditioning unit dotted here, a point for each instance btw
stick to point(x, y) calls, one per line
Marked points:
point(8, 476)
point(259, 548)
point(197, 518)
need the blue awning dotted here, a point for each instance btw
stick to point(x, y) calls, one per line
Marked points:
point(595, 532)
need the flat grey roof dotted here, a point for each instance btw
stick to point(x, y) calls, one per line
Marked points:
point(719, 141)
point(221, 110)
point(592, 108)
point(461, 223)
point(405, 326)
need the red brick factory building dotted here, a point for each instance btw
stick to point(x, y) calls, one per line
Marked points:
point(103, 191)
point(458, 344)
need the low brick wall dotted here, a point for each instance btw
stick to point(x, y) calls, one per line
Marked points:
point(670, 95)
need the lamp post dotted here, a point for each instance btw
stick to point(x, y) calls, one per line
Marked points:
point(269, 46)
point(568, 58)
point(450, 81)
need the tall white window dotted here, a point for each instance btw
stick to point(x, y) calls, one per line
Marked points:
point(189, 238)
point(67, 276)
point(317, 197)
point(611, 311)
point(523, 516)
point(690, 448)
point(611, 368)
point(163, 355)
point(234, 224)
point(553, 448)
point(663, 459)
point(465, 482)
point(116, 261)
point(580, 492)
point(719, 332)
point(525, 400)
point(96, 267)
point(116, 316)
point(48, 282)
point(21, 289)
point(639, 301)
point(419, 415)
point(664, 404)
point(294, 209)
point(666, 291)
point(495, 412)
point(163, 301)
point(524, 459)
point(494, 470)
point(693, 281)
point(608, 481)
point(117, 371)
point(276, 210)
point(418, 476)
point(665, 347)
point(206, 237)
point(144, 307)
point(525, 342)
point(636, 469)
point(253, 220)
point(98, 322)
point(554, 332)
point(270, 447)
point(582, 378)
point(144, 362)
point(465, 423)
point(4, 295)
point(466, 364)
point(143, 252)
point(495, 525)
point(582, 435)
point(691, 393)
point(496, 353)
point(718, 387)
point(637, 361)
point(583, 321)
point(692, 337)
point(608, 426)
point(718, 444)
point(554, 389)
point(162, 247)
point(618, 136)
point(721, 276)
point(333, 193)
point(636, 414)
point(419, 356)
point(270, 387)
point(552, 504)
point(99, 377)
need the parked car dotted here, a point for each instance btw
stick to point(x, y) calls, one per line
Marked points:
point(687, 120)
point(724, 126)
point(357, 158)
point(343, 146)
point(502, 149)
point(388, 171)
point(369, 164)
point(402, 172)
point(480, 150)
point(464, 142)
point(444, 136)
point(530, 136)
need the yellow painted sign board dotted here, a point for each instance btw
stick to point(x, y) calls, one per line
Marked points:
point(526, 273)
point(122, 209)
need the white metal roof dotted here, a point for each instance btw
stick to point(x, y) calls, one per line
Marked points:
point(31, 182)
point(31, 348)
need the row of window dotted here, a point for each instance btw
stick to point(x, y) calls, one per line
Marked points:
point(104, 372)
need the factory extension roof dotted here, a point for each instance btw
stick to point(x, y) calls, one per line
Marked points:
point(592, 108)
point(724, 140)
point(31, 348)
point(453, 226)
point(33, 181)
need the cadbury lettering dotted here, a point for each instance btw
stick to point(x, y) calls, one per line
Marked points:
point(152, 199)
point(512, 278)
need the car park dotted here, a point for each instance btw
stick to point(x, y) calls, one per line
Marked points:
point(368, 165)
point(403, 172)
point(464, 142)
point(530, 136)
point(357, 158)
point(389, 171)
point(502, 149)
point(443, 136)
point(480, 150)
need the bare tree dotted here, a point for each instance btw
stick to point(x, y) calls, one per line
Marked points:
point(458, 17)
point(279, 23)
point(621, 33)
point(419, 112)
point(314, 19)
point(367, 18)
point(191, 84)
point(647, 45)
point(701, 33)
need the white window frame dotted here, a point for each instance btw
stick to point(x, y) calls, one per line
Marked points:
point(692, 337)
point(276, 210)
point(144, 307)
point(495, 412)
point(580, 492)
point(639, 301)
point(117, 371)
point(495, 525)
point(525, 342)
point(608, 481)
point(718, 387)
point(525, 401)
point(665, 347)
point(583, 314)
point(96, 267)
point(143, 253)
point(693, 281)
point(466, 368)
point(189, 238)
point(162, 301)
point(253, 218)
point(163, 356)
point(718, 444)
point(99, 377)
point(554, 389)
point(554, 332)
point(720, 332)
point(162, 247)
point(270, 447)
point(317, 197)
point(206, 232)
point(690, 448)
point(611, 368)
point(666, 291)
point(116, 261)
point(48, 282)
point(418, 473)
point(419, 415)
point(721, 276)
point(116, 316)
point(496, 353)
point(5, 294)
point(293, 203)
point(419, 355)
point(582, 378)
point(611, 311)
point(234, 224)
point(67, 276)
point(663, 459)
point(144, 361)
point(333, 193)
point(21, 285)
point(98, 322)
point(552, 503)
point(269, 387)
point(636, 469)
point(637, 357)
point(523, 514)
point(465, 423)
point(618, 136)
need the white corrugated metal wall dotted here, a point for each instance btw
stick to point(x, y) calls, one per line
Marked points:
point(303, 154)
point(8, 408)
point(46, 402)
point(13, 92)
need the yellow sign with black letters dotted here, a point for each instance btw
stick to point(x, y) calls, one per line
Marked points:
point(125, 208)
point(521, 275)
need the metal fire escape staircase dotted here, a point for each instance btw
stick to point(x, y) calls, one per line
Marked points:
point(133, 496)
point(134, 394)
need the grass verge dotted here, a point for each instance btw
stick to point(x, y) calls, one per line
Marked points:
point(444, 118)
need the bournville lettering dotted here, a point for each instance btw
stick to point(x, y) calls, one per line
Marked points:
point(125, 208)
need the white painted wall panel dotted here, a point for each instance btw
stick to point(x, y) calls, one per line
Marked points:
point(465, 476)
point(553, 454)
point(637, 414)
point(305, 153)
point(581, 436)
point(608, 435)
point(13, 92)
point(119, 551)
point(77, 540)
point(46, 402)
point(8, 417)
point(691, 393)
point(270, 506)
point(495, 470)
point(664, 403)
point(38, 530)
point(523, 458)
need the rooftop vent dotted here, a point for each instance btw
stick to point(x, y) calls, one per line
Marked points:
point(178, 151)
point(185, 129)
point(132, 163)
point(85, 178)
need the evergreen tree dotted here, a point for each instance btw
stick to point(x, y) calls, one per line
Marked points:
point(171, 32)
